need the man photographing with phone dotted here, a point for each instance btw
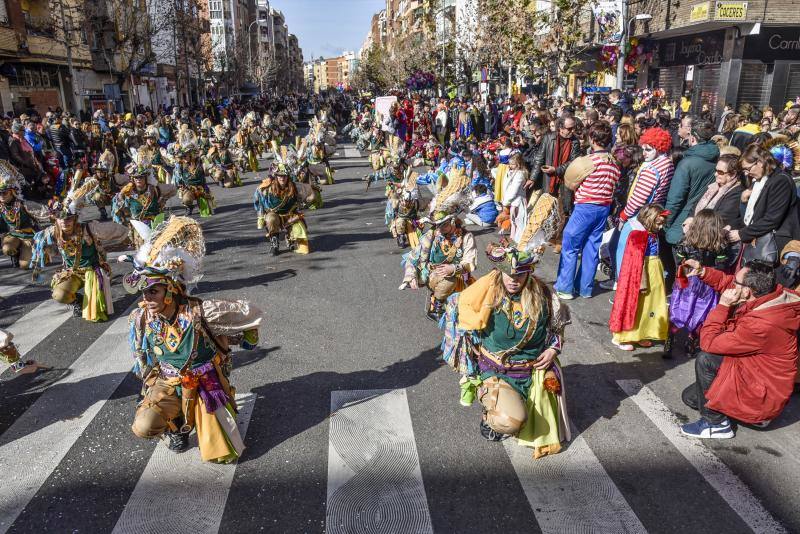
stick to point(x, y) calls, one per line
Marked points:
point(748, 360)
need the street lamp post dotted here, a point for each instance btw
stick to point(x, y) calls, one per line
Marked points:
point(623, 42)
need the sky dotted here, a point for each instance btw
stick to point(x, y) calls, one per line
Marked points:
point(328, 27)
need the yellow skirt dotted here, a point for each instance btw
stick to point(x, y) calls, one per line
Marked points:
point(502, 169)
point(652, 314)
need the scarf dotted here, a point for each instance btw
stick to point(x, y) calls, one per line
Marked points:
point(713, 195)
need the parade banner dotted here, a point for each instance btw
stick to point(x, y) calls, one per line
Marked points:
point(608, 14)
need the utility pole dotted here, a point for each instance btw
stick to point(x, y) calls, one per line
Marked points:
point(623, 46)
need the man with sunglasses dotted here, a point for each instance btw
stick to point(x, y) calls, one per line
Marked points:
point(748, 360)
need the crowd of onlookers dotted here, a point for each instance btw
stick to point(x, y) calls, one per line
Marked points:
point(694, 221)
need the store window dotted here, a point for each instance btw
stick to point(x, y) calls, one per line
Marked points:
point(793, 82)
point(754, 84)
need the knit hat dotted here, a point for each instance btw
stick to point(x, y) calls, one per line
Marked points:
point(658, 138)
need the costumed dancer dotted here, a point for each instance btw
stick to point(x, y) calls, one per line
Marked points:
point(191, 181)
point(277, 203)
point(142, 199)
point(436, 179)
point(220, 164)
point(182, 345)
point(103, 194)
point(310, 194)
point(404, 223)
point(639, 314)
point(9, 355)
point(504, 334)
point(151, 152)
point(83, 256)
point(15, 220)
point(446, 256)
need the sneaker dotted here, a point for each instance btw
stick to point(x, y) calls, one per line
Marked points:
point(704, 430)
point(564, 296)
point(608, 285)
point(77, 307)
point(178, 441)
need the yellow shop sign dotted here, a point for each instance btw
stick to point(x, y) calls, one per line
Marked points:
point(731, 11)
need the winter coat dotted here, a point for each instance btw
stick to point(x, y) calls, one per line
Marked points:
point(776, 210)
point(546, 155)
point(729, 208)
point(689, 183)
point(758, 342)
point(59, 137)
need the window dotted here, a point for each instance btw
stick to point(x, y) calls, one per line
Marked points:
point(3, 12)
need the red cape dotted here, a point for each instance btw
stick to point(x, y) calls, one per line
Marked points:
point(629, 283)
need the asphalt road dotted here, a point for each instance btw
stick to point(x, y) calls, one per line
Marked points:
point(352, 423)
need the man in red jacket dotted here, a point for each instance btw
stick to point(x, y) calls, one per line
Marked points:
point(748, 363)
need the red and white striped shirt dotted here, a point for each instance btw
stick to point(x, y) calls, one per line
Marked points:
point(650, 186)
point(598, 187)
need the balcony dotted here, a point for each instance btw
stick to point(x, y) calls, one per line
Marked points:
point(41, 26)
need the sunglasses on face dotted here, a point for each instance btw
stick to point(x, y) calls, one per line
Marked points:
point(721, 172)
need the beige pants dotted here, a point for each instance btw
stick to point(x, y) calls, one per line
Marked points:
point(66, 291)
point(159, 407)
point(13, 246)
point(505, 408)
point(441, 287)
point(224, 178)
point(272, 223)
point(187, 198)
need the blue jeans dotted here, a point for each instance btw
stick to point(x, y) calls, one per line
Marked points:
point(582, 235)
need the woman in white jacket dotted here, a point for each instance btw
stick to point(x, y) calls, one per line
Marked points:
point(514, 199)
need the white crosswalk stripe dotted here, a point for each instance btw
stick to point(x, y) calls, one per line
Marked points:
point(58, 418)
point(374, 477)
point(716, 473)
point(352, 153)
point(9, 290)
point(196, 491)
point(571, 492)
point(33, 327)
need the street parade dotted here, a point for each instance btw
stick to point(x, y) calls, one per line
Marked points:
point(512, 268)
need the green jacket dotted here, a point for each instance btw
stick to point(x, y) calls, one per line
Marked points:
point(692, 176)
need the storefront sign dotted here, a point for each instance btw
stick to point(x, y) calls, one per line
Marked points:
point(700, 49)
point(700, 12)
point(774, 44)
point(731, 11)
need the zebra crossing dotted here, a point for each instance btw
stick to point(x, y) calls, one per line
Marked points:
point(374, 481)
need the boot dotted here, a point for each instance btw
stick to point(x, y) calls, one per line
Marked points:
point(435, 310)
point(77, 307)
point(188, 210)
point(691, 346)
point(103, 214)
point(490, 434)
point(399, 240)
point(14, 261)
point(272, 245)
point(178, 441)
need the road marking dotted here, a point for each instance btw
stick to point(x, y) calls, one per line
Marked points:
point(717, 474)
point(33, 327)
point(58, 418)
point(374, 477)
point(352, 153)
point(8, 291)
point(196, 491)
point(571, 492)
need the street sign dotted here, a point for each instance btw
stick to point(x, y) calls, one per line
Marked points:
point(700, 12)
point(731, 11)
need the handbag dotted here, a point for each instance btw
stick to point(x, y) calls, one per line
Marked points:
point(762, 248)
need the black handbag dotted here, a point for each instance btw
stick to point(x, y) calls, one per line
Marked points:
point(762, 248)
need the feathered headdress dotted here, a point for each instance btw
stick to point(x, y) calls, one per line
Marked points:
point(452, 199)
point(518, 258)
point(75, 201)
point(10, 178)
point(172, 254)
point(786, 152)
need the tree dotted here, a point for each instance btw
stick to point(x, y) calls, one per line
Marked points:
point(562, 38)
